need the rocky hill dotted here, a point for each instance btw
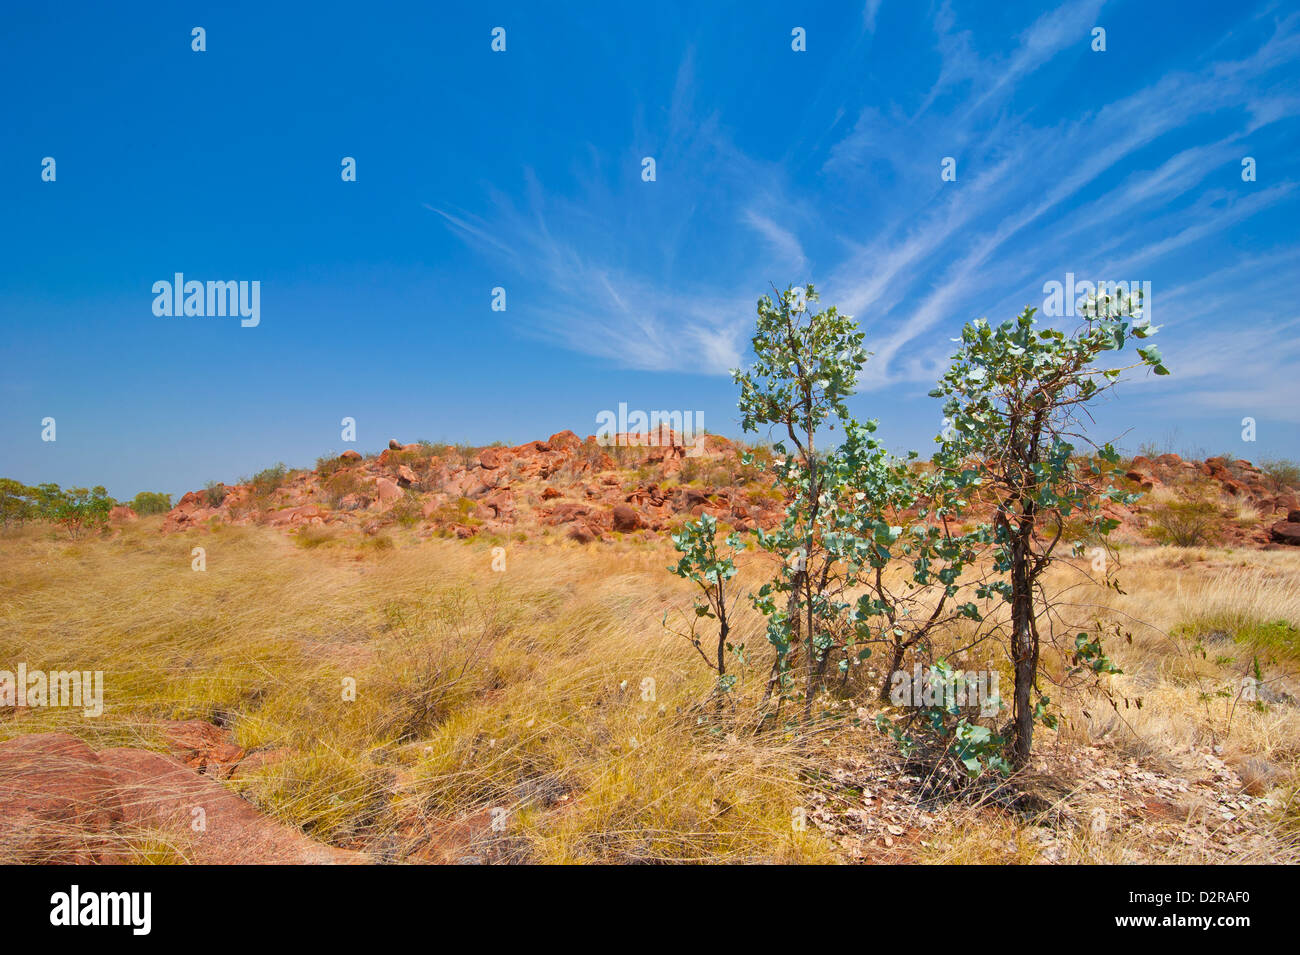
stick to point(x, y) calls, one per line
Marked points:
point(583, 489)
point(646, 484)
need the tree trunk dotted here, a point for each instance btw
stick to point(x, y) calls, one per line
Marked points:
point(813, 497)
point(724, 629)
point(811, 683)
point(1024, 648)
point(897, 664)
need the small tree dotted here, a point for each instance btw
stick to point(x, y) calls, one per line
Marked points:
point(17, 503)
point(806, 365)
point(77, 509)
point(710, 570)
point(1015, 396)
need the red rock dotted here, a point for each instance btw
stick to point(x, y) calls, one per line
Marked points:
point(387, 493)
point(565, 512)
point(290, 496)
point(1285, 532)
point(405, 476)
point(550, 493)
point(121, 514)
point(500, 506)
point(350, 455)
point(57, 804)
point(202, 746)
point(564, 441)
point(1236, 488)
point(581, 533)
point(61, 802)
point(492, 458)
point(687, 498)
point(160, 795)
point(626, 518)
point(709, 445)
point(297, 516)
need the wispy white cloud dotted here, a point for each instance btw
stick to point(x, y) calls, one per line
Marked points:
point(1016, 203)
point(869, 13)
point(784, 244)
point(1128, 190)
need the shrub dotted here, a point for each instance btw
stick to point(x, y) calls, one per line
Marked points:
point(434, 449)
point(151, 502)
point(407, 511)
point(268, 479)
point(456, 512)
point(1281, 472)
point(327, 464)
point(214, 492)
point(314, 535)
point(340, 484)
point(1184, 522)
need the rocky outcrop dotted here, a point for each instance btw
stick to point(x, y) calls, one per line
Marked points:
point(62, 802)
point(644, 484)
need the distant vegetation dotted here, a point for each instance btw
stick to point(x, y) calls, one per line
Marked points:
point(151, 502)
point(77, 510)
point(1281, 472)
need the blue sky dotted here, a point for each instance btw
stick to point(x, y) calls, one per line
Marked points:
point(523, 169)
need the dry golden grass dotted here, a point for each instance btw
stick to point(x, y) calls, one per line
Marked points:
point(526, 691)
point(474, 689)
